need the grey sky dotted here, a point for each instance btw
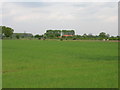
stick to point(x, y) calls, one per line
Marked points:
point(83, 17)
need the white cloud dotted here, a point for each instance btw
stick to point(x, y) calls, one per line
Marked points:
point(83, 17)
point(0, 13)
point(108, 19)
point(112, 19)
point(59, 0)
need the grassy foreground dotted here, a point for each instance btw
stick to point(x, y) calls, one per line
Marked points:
point(59, 64)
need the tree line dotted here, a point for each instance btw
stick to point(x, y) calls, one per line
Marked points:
point(7, 32)
point(58, 33)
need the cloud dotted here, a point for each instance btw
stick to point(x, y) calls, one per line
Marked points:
point(108, 19)
point(83, 16)
point(59, 0)
point(0, 13)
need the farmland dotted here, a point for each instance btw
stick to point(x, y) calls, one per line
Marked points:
point(59, 64)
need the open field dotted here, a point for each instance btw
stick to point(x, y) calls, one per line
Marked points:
point(60, 64)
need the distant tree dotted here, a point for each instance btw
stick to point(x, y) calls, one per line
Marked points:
point(7, 31)
point(0, 32)
point(44, 38)
point(78, 36)
point(118, 37)
point(74, 38)
point(90, 35)
point(114, 38)
point(37, 36)
point(57, 35)
point(53, 33)
point(107, 35)
point(102, 35)
point(68, 32)
point(61, 39)
point(0, 29)
point(17, 36)
point(84, 35)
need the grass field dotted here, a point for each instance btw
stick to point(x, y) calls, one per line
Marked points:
point(60, 64)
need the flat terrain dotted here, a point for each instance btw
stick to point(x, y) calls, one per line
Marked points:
point(60, 64)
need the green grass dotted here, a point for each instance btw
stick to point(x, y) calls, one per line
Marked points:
point(60, 64)
point(0, 64)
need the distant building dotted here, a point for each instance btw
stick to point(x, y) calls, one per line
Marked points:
point(0, 36)
point(22, 35)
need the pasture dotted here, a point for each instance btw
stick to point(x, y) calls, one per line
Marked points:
point(59, 64)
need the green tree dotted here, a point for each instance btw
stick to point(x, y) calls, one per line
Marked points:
point(17, 36)
point(107, 35)
point(0, 29)
point(68, 32)
point(37, 36)
point(0, 32)
point(7, 31)
point(102, 35)
point(90, 35)
point(84, 35)
point(53, 33)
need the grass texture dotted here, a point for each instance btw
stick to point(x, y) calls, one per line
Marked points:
point(59, 64)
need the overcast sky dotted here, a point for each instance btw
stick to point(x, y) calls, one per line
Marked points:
point(83, 17)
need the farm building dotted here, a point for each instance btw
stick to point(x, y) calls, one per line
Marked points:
point(0, 36)
point(22, 35)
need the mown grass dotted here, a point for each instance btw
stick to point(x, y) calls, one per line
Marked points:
point(0, 64)
point(59, 64)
